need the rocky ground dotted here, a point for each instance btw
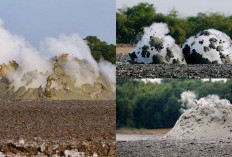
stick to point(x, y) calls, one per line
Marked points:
point(154, 145)
point(127, 70)
point(57, 128)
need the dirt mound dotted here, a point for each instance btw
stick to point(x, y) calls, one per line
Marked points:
point(59, 84)
point(209, 117)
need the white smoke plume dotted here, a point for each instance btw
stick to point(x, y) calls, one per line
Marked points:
point(32, 65)
point(105, 69)
point(188, 100)
point(76, 47)
point(35, 65)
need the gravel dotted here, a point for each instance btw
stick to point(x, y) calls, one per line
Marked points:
point(86, 126)
point(172, 147)
point(127, 70)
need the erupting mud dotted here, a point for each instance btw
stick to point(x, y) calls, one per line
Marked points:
point(157, 47)
point(204, 129)
point(209, 46)
point(208, 117)
point(28, 73)
point(59, 85)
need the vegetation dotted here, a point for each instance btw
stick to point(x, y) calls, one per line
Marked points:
point(154, 106)
point(101, 49)
point(131, 21)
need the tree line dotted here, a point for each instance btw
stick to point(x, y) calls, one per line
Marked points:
point(154, 105)
point(100, 49)
point(131, 21)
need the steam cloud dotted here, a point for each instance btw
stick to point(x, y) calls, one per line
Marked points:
point(35, 65)
point(188, 100)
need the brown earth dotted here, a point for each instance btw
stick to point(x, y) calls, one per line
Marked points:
point(51, 127)
point(124, 48)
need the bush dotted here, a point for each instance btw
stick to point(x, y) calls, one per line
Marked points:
point(101, 49)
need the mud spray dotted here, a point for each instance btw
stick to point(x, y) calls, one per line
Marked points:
point(208, 117)
point(62, 68)
point(156, 46)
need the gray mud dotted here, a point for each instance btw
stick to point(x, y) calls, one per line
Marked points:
point(127, 70)
point(158, 146)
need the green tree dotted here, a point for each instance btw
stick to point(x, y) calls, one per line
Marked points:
point(100, 49)
point(132, 20)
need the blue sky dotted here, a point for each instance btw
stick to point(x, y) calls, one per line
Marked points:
point(185, 7)
point(37, 19)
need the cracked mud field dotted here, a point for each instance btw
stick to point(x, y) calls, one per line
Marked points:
point(46, 128)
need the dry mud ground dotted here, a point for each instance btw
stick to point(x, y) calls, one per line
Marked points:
point(58, 128)
point(152, 144)
point(127, 70)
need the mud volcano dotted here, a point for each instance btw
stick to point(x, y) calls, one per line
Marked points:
point(209, 117)
point(59, 84)
point(208, 47)
point(157, 47)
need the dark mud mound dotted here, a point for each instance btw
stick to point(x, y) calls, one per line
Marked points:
point(208, 47)
point(157, 47)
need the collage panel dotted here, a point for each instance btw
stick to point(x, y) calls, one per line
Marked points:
point(57, 78)
point(174, 117)
point(173, 78)
point(172, 40)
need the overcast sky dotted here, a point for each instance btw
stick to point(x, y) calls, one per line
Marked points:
point(37, 19)
point(185, 7)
